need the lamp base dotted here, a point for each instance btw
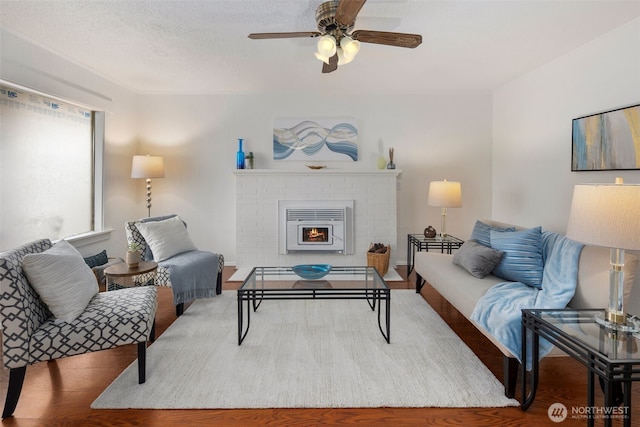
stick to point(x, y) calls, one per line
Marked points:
point(617, 322)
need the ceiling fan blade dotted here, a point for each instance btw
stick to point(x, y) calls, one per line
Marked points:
point(390, 39)
point(332, 65)
point(258, 36)
point(347, 11)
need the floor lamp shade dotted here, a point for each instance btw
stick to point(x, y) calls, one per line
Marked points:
point(147, 167)
point(444, 194)
point(607, 215)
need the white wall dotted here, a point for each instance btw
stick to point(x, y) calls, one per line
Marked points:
point(532, 178)
point(434, 136)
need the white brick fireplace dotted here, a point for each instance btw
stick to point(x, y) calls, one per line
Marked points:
point(259, 193)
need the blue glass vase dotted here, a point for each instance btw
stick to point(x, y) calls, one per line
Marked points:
point(240, 155)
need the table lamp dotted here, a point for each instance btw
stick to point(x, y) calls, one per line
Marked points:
point(147, 167)
point(444, 194)
point(607, 215)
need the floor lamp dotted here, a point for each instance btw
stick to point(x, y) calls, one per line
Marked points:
point(147, 167)
point(444, 194)
point(607, 215)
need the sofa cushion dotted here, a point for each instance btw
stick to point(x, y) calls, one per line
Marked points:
point(457, 286)
point(63, 281)
point(522, 260)
point(477, 259)
point(481, 232)
point(166, 238)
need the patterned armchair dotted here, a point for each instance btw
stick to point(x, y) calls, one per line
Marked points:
point(31, 333)
point(191, 274)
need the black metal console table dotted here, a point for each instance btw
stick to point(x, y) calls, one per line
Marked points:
point(613, 356)
point(418, 243)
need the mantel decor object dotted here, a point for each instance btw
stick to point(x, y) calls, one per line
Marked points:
point(391, 165)
point(240, 155)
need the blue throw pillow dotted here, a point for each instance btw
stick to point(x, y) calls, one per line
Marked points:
point(522, 260)
point(481, 232)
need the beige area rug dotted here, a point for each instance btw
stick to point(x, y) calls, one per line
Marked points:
point(242, 273)
point(308, 354)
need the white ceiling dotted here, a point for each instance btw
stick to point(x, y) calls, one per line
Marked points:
point(201, 46)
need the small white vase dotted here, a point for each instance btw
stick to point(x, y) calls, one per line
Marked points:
point(133, 259)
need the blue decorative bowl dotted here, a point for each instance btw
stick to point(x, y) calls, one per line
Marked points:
point(312, 271)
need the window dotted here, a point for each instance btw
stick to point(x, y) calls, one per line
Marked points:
point(50, 156)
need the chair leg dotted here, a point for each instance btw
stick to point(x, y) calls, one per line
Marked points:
point(142, 362)
point(152, 335)
point(16, 378)
point(179, 309)
point(219, 285)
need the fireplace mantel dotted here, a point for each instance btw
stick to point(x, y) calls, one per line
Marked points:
point(249, 172)
point(258, 192)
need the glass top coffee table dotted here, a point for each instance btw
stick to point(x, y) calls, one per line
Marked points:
point(282, 283)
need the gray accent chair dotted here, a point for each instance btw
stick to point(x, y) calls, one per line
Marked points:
point(189, 262)
point(31, 334)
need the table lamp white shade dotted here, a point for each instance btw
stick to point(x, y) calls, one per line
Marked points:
point(608, 215)
point(147, 167)
point(444, 194)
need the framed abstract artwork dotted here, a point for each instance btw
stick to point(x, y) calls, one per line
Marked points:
point(607, 141)
point(315, 139)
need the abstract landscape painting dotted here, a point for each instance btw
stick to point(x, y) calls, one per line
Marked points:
point(607, 141)
point(315, 140)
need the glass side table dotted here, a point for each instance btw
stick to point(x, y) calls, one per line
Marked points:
point(611, 355)
point(418, 243)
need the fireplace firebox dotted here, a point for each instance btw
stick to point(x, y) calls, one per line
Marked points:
point(319, 226)
point(314, 235)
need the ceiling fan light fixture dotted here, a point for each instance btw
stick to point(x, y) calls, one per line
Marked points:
point(327, 46)
point(322, 58)
point(350, 47)
point(342, 58)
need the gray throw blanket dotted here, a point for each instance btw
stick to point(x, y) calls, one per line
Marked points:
point(193, 275)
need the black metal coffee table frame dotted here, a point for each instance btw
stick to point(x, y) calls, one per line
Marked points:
point(374, 294)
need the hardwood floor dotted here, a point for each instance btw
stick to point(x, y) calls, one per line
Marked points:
point(60, 393)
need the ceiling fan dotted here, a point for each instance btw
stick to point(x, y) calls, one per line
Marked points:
point(338, 43)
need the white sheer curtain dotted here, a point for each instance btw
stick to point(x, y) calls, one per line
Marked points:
point(46, 168)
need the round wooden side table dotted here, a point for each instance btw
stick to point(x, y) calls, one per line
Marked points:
point(120, 275)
